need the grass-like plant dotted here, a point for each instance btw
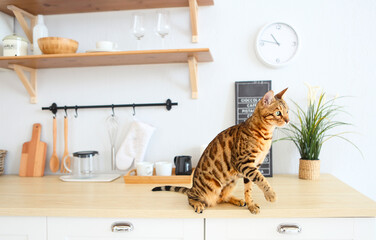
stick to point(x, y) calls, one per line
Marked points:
point(314, 124)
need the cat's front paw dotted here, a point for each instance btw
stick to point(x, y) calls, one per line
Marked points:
point(270, 196)
point(254, 208)
point(198, 207)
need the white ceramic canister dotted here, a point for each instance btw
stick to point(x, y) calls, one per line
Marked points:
point(14, 45)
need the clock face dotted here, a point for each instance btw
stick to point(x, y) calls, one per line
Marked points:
point(277, 44)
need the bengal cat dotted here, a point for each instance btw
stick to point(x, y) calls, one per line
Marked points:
point(234, 153)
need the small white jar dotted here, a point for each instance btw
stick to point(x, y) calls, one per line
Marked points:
point(14, 45)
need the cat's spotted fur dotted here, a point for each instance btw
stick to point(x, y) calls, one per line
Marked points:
point(234, 153)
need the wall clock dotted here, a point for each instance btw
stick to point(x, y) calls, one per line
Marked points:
point(277, 44)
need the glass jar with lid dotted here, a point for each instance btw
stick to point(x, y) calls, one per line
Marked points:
point(14, 45)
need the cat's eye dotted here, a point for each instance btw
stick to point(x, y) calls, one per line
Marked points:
point(278, 113)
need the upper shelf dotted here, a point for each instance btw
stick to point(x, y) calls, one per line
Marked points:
point(22, 9)
point(49, 7)
point(107, 58)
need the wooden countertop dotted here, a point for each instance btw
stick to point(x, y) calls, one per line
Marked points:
point(48, 196)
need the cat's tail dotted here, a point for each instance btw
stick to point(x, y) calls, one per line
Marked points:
point(171, 189)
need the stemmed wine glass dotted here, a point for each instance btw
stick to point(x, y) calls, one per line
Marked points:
point(138, 29)
point(163, 24)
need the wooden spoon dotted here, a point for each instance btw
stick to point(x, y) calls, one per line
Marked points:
point(54, 160)
point(66, 153)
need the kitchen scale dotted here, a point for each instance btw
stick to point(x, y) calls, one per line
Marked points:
point(100, 177)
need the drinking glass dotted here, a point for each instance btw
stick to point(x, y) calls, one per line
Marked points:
point(163, 24)
point(138, 29)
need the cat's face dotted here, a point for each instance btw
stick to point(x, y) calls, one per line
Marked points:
point(274, 110)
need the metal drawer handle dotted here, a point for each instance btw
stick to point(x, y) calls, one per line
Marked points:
point(122, 227)
point(289, 229)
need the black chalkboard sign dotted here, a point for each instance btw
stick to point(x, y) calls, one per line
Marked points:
point(247, 94)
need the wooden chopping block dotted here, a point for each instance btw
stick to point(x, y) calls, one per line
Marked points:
point(33, 157)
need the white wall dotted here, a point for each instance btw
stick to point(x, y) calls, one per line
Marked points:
point(6, 28)
point(337, 53)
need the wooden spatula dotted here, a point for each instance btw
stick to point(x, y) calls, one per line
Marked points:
point(54, 160)
point(66, 153)
point(33, 157)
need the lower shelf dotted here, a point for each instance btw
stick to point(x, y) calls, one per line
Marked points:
point(95, 59)
point(33, 62)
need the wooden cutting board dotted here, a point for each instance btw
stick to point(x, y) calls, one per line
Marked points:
point(33, 157)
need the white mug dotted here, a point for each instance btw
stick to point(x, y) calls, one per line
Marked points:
point(163, 168)
point(144, 169)
point(106, 45)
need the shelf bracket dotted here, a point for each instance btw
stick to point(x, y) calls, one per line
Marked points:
point(21, 15)
point(193, 9)
point(192, 64)
point(29, 84)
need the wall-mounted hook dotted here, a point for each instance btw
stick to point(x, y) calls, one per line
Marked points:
point(134, 109)
point(76, 112)
point(66, 113)
point(113, 111)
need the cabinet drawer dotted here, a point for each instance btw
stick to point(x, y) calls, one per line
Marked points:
point(23, 228)
point(60, 228)
point(262, 229)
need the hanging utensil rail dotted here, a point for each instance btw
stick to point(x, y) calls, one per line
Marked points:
point(54, 108)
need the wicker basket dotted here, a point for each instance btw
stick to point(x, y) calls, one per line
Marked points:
point(3, 153)
point(309, 169)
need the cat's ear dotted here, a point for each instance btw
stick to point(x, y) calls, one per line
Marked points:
point(280, 94)
point(268, 97)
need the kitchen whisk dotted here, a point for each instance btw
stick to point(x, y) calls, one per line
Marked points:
point(112, 128)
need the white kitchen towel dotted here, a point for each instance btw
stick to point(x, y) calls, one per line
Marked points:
point(134, 146)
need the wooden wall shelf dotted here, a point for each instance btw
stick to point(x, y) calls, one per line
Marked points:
point(31, 8)
point(33, 62)
point(25, 10)
point(108, 58)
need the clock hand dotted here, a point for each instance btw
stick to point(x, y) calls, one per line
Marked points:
point(269, 41)
point(275, 40)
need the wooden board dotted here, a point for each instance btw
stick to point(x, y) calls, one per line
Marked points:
point(33, 157)
point(132, 178)
point(48, 7)
point(107, 58)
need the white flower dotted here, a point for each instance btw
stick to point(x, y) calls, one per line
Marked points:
point(324, 98)
point(312, 91)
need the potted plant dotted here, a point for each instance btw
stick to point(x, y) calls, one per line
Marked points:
point(312, 130)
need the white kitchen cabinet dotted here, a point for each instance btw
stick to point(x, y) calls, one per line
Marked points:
point(310, 228)
point(71, 228)
point(22, 228)
point(61, 228)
